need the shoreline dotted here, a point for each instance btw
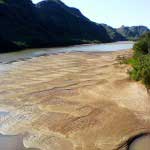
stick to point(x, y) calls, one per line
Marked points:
point(64, 46)
point(59, 53)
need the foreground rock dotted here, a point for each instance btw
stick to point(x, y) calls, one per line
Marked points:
point(76, 101)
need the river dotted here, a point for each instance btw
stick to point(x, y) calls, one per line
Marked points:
point(29, 53)
point(55, 102)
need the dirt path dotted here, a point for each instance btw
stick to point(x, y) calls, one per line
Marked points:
point(75, 101)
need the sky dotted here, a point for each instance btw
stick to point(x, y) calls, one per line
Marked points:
point(114, 12)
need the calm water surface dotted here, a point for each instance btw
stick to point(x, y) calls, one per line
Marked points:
point(25, 54)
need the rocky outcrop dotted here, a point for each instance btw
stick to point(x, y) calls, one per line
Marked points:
point(132, 33)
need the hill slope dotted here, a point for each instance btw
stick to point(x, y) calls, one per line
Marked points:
point(49, 23)
point(20, 24)
point(70, 22)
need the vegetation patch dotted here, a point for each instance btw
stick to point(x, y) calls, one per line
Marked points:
point(141, 60)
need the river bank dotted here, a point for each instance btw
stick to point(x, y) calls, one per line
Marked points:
point(73, 101)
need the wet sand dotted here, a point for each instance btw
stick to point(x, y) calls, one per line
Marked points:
point(74, 101)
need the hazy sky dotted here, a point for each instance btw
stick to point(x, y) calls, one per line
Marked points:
point(114, 12)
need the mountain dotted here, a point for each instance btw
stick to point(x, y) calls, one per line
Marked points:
point(114, 34)
point(52, 23)
point(20, 24)
point(125, 33)
point(69, 22)
point(132, 33)
point(48, 23)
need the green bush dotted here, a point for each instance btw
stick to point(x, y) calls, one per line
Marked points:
point(143, 45)
point(141, 69)
point(141, 60)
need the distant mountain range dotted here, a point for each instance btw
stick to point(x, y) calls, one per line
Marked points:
point(52, 23)
point(132, 33)
point(114, 35)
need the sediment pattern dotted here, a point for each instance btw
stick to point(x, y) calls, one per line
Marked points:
point(74, 101)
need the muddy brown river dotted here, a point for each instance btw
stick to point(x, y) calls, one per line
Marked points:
point(72, 101)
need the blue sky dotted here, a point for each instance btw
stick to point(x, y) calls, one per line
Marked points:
point(114, 12)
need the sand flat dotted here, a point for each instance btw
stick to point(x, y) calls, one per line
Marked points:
point(74, 101)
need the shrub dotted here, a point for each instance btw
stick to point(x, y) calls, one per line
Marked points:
point(141, 61)
point(141, 69)
point(143, 45)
